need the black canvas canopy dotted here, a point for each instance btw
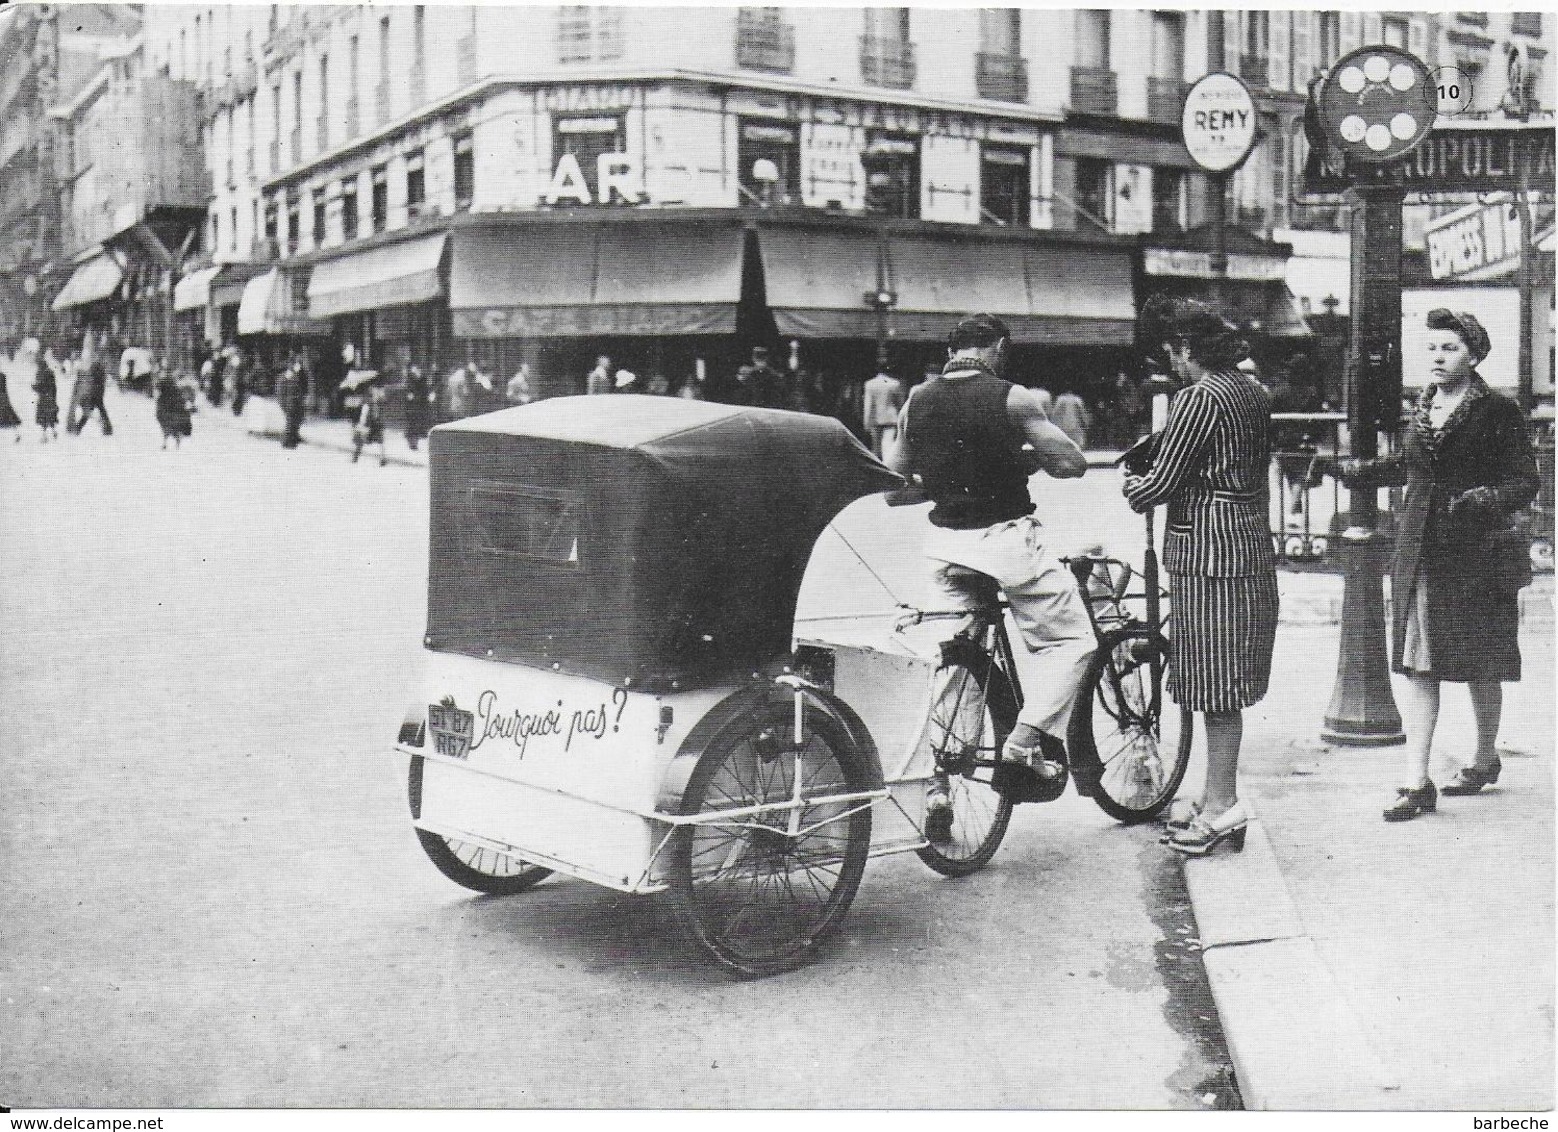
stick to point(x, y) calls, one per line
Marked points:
point(642, 540)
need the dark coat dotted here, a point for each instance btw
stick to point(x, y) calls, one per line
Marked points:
point(1472, 611)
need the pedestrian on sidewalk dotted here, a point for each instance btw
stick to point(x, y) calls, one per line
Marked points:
point(882, 400)
point(172, 409)
point(8, 417)
point(1210, 468)
point(47, 412)
point(369, 428)
point(94, 388)
point(1460, 561)
point(419, 405)
point(292, 393)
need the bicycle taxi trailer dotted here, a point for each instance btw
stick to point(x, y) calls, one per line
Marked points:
point(610, 687)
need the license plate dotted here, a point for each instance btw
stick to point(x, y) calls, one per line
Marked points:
point(452, 729)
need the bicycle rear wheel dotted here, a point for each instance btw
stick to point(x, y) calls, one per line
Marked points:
point(974, 710)
point(1137, 743)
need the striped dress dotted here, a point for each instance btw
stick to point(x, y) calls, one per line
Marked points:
point(1211, 469)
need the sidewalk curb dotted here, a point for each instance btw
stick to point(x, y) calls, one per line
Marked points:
point(1294, 1042)
point(263, 420)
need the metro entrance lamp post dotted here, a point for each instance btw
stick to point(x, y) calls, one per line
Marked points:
point(1375, 106)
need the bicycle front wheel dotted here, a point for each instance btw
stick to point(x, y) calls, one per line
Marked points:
point(974, 710)
point(1137, 743)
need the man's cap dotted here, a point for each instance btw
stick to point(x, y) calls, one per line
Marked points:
point(978, 330)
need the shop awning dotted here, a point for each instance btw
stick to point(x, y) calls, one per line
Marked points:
point(270, 305)
point(387, 276)
point(194, 290)
point(816, 283)
point(1262, 308)
point(573, 279)
point(95, 279)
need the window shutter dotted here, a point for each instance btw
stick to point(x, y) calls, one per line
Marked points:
point(1281, 28)
point(1373, 28)
point(1352, 32)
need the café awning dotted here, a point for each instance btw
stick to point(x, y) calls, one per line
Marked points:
point(94, 280)
point(193, 291)
point(566, 279)
point(387, 276)
point(270, 306)
point(817, 282)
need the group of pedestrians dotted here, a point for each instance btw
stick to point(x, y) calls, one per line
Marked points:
point(38, 366)
point(971, 439)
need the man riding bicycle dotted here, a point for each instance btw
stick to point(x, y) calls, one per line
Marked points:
point(972, 439)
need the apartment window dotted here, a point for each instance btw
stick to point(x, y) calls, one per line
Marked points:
point(416, 185)
point(780, 146)
point(1257, 33)
point(892, 168)
point(232, 232)
point(464, 172)
point(586, 32)
point(248, 46)
point(1330, 31)
point(886, 51)
point(764, 41)
point(250, 114)
point(1395, 31)
point(418, 55)
point(1168, 45)
point(349, 208)
point(275, 18)
point(294, 220)
point(1092, 39)
point(271, 226)
point(1000, 31)
point(1004, 187)
point(1094, 194)
point(324, 102)
point(384, 70)
point(380, 180)
point(1526, 23)
point(275, 141)
point(1168, 200)
point(227, 62)
point(319, 216)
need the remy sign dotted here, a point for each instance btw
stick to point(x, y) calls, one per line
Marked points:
point(1480, 157)
point(1218, 122)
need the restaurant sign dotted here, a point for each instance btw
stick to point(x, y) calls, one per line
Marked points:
point(1198, 265)
point(1454, 159)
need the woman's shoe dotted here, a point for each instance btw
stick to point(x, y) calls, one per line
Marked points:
point(1200, 837)
point(1471, 779)
point(1411, 801)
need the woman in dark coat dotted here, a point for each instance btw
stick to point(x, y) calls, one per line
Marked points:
point(1210, 468)
point(172, 409)
point(419, 405)
point(47, 414)
point(8, 417)
point(1468, 465)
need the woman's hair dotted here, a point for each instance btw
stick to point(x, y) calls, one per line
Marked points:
point(1464, 325)
point(1214, 342)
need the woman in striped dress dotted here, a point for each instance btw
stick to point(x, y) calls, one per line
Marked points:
point(1210, 468)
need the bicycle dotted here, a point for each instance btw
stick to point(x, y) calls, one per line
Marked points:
point(1126, 751)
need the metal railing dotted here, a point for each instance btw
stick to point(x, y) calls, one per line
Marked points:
point(1255, 70)
point(1001, 77)
point(764, 44)
point(1094, 90)
point(886, 61)
point(1165, 99)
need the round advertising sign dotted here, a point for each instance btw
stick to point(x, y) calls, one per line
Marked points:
point(1218, 122)
point(1377, 104)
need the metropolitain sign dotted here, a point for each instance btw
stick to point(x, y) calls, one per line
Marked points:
point(1475, 159)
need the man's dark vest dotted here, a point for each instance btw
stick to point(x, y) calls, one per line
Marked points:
point(967, 451)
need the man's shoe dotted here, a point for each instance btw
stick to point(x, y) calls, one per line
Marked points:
point(1411, 801)
point(1471, 779)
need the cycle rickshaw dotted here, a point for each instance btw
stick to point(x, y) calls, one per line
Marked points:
point(613, 692)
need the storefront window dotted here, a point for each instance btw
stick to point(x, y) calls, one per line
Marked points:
point(1093, 194)
point(1168, 200)
point(780, 146)
point(380, 198)
point(416, 185)
point(1004, 186)
point(464, 172)
point(892, 168)
point(586, 139)
point(349, 209)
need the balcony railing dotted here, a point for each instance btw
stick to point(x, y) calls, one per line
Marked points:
point(465, 60)
point(1526, 23)
point(1094, 90)
point(322, 136)
point(764, 45)
point(297, 145)
point(1255, 70)
point(1002, 77)
point(1165, 99)
point(887, 62)
point(353, 124)
point(1475, 19)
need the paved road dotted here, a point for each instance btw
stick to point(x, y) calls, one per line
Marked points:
point(211, 894)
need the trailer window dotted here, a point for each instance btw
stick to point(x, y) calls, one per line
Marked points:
point(539, 524)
